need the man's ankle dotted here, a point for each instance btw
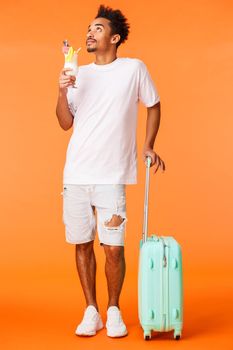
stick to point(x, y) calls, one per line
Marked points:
point(93, 304)
point(113, 304)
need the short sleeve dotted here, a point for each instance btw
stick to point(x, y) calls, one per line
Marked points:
point(70, 100)
point(148, 93)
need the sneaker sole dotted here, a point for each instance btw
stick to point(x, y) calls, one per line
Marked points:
point(117, 336)
point(89, 334)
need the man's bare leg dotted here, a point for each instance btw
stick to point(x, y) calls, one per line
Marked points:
point(114, 267)
point(86, 266)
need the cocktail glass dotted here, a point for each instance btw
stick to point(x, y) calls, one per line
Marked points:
point(71, 60)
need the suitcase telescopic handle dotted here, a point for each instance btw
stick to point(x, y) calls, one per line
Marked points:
point(146, 199)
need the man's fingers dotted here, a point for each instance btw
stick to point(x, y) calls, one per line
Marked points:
point(156, 169)
point(66, 80)
point(66, 83)
point(155, 160)
point(153, 157)
point(163, 165)
point(158, 163)
point(66, 69)
point(70, 77)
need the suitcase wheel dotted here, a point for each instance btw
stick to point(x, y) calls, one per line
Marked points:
point(177, 334)
point(147, 335)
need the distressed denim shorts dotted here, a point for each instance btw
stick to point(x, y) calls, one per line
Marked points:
point(82, 202)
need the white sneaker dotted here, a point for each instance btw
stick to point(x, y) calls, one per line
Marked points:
point(91, 322)
point(115, 325)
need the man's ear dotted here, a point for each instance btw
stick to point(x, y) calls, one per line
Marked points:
point(115, 38)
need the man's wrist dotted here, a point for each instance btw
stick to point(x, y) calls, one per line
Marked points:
point(148, 146)
point(62, 92)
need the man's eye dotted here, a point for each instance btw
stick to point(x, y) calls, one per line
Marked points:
point(96, 28)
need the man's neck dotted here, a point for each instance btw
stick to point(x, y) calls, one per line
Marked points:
point(105, 58)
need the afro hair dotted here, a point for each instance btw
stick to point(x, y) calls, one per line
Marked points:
point(118, 22)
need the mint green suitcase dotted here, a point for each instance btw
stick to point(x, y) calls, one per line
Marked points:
point(160, 281)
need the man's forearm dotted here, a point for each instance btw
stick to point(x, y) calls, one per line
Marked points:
point(152, 125)
point(63, 113)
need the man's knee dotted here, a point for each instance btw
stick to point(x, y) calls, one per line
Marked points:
point(114, 253)
point(84, 247)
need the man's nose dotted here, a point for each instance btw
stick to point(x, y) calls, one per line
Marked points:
point(90, 35)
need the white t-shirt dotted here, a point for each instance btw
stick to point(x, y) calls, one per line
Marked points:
point(103, 147)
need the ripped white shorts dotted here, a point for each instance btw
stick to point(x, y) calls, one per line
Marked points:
point(79, 204)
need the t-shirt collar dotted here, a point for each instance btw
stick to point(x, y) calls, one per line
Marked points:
point(105, 66)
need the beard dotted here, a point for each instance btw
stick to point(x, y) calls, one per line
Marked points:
point(91, 49)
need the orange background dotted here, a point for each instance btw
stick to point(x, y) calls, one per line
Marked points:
point(188, 49)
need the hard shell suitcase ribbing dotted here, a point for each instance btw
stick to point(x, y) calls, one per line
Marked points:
point(160, 280)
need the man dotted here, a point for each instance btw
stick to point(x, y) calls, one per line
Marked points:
point(102, 158)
